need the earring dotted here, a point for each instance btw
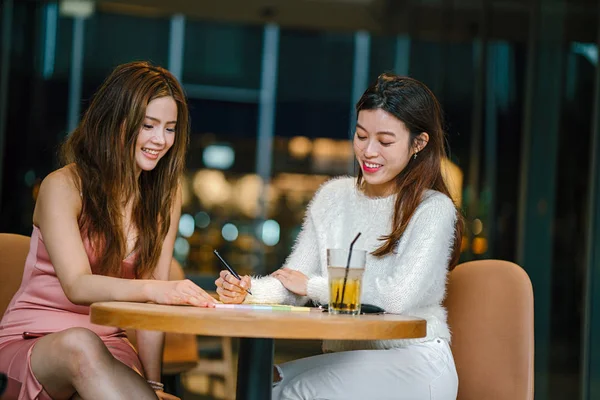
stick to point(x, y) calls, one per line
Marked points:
point(415, 157)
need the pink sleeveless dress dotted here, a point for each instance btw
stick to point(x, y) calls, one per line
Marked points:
point(40, 307)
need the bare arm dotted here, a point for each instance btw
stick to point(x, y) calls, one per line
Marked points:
point(56, 213)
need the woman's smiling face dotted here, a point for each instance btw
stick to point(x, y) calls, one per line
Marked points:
point(383, 148)
point(157, 133)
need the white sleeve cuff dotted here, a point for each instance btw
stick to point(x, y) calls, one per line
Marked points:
point(317, 290)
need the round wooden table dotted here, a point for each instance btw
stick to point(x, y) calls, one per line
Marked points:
point(256, 330)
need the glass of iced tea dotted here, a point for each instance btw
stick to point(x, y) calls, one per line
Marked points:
point(345, 280)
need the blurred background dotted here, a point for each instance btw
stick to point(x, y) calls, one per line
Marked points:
point(271, 87)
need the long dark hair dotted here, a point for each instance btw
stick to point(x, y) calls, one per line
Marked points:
point(415, 105)
point(102, 148)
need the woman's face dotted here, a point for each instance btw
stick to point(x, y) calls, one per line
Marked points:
point(157, 133)
point(383, 148)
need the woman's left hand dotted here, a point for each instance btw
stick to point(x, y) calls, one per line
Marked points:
point(165, 396)
point(294, 281)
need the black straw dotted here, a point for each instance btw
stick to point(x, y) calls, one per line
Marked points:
point(348, 266)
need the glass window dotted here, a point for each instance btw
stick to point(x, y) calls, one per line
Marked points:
point(221, 188)
point(311, 131)
point(315, 83)
point(570, 223)
point(220, 54)
point(383, 56)
point(113, 39)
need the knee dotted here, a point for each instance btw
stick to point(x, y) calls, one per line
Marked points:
point(84, 350)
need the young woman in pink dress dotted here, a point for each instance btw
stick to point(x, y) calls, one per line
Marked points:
point(104, 227)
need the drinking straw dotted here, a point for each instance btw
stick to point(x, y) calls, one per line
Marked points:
point(348, 267)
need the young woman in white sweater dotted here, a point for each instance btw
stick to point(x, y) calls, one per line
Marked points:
point(412, 232)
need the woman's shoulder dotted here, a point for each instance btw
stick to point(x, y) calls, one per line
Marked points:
point(64, 178)
point(59, 189)
point(61, 184)
point(433, 196)
point(334, 189)
point(339, 185)
point(438, 202)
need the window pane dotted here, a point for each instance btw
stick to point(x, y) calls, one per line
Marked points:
point(315, 83)
point(113, 39)
point(219, 54)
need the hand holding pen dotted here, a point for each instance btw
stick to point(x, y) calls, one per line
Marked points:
point(230, 286)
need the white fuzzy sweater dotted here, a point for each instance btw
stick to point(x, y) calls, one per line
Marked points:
point(411, 281)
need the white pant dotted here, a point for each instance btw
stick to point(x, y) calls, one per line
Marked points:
point(416, 372)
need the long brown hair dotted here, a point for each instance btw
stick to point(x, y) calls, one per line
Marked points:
point(416, 106)
point(102, 148)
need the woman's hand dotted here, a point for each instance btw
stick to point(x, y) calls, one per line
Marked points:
point(180, 293)
point(230, 289)
point(165, 396)
point(294, 281)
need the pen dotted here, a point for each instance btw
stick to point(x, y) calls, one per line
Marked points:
point(229, 268)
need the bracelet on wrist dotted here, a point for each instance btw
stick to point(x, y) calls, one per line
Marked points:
point(156, 385)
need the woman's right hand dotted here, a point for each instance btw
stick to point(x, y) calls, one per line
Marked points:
point(182, 292)
point(230, 289)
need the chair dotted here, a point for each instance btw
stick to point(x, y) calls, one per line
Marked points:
point(490, 314)
point(180, 351)
point(14, 249)
point(182, 356)
point(216, 361)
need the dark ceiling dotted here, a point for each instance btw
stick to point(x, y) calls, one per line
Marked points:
point(448, 19)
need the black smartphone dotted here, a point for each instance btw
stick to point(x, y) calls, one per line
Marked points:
point(364, 309)
point(371, 309)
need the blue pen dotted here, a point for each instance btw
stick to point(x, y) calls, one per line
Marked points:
point(229, 268)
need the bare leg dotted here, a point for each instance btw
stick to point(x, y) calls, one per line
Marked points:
point(76, 362)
